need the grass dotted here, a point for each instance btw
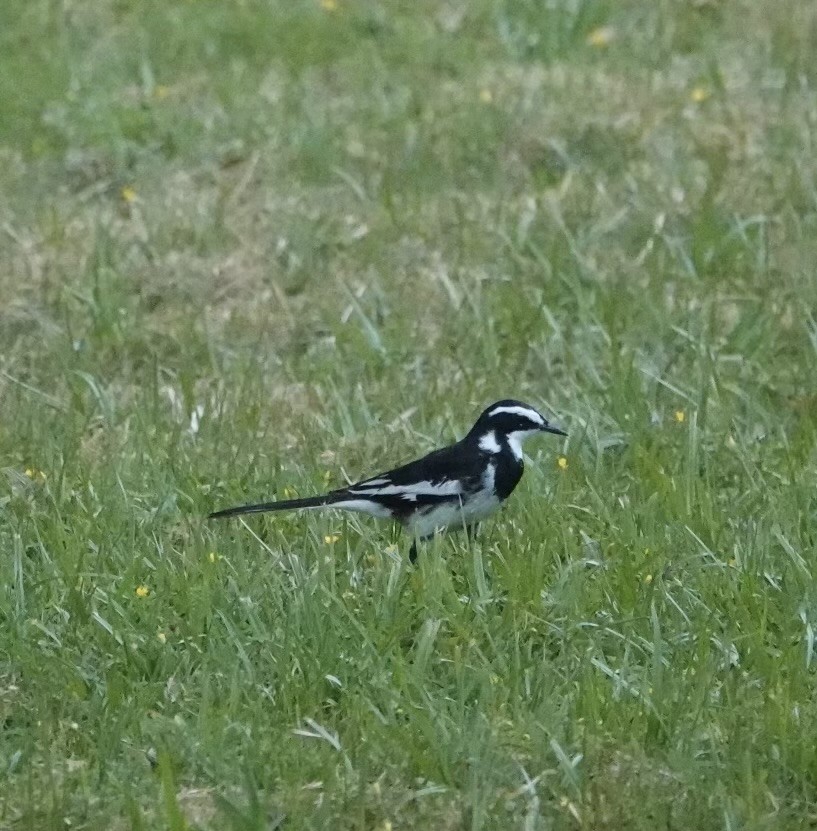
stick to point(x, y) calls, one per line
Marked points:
point(252, 247)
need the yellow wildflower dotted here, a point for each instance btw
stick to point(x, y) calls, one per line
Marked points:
point(699, 94)
point(562, 462)
point(128, 194)
point(486, 96)
point(648, 579)
point(213, 557)
point(329, 5)
point(289, 493)
point(34, 474)
point(602, 36)
point(162, 637)
point(680, 416)
point(161, 92)
point(142, 591)
point(331, 539)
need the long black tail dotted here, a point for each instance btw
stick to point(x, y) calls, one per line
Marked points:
point(282, 505)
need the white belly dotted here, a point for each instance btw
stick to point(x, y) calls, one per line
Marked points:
point(457, 515)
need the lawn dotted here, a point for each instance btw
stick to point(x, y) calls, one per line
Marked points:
point(250, 248)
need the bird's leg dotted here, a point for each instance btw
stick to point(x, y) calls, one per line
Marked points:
point(413, 552)
point(472, 531)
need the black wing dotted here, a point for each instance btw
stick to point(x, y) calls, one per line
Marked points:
point(443, 475)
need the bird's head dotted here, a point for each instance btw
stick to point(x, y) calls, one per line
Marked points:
point(513, 421)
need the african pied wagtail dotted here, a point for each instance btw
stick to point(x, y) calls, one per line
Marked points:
point(454, 487)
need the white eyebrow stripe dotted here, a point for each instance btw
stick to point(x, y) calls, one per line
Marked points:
point(489, 444)
point(445, 488)
point(520, 411)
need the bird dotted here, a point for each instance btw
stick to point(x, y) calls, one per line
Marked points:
point(452, 488)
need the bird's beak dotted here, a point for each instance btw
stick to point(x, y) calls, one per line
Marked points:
point(552, 428)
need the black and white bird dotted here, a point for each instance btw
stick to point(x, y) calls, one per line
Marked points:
point(451, 488)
